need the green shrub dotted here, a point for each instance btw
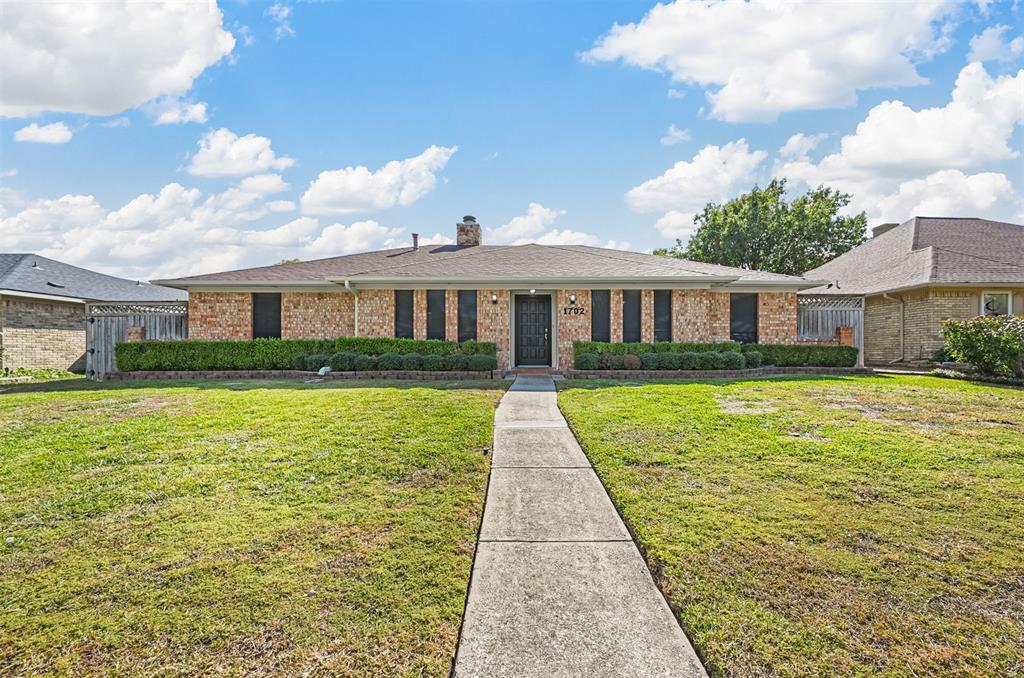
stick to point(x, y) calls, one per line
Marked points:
point(457, 362)
point(367, 363)
point(604, 361)
point(990, 344)
point(381, 345)
point(638, 349)
point(670, 360)
point(631, 362)
point(617, 361)
point(588, 361)
point(412, 361)
point(799, 355)
point(482, 363)
point(711, 360)
point(390, 361)
point(343, 361)
point(651, 361)
point(312, 362)
point(753, 358)
point(734, 360)
point(689, 360)
point(435, 363)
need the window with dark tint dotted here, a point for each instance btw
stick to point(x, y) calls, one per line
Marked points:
point(266, 315)
point(600, 315)
point(663, 315)
point(403, 314)
point(435, 314)
point(467, 315)
point(630, 316)
point(743, 318)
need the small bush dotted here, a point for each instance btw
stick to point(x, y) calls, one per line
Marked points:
point(482, 363)
point(991, 344)
point(435, 363)
point(366, 363)
point(711, 360)
point(631, 362)
point(689, 360)
point(390, 361)
point(651, 361)
point(313, 362)
point(588, 361)
point(343, 361)
point(670, 360)
point(412, 361)
point(753, 358)
point(799, 355)
point(604, 361)
point(457, 362)
point(638, 349)
point(734, 360)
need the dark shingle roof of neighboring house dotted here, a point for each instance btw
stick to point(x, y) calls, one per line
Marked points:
point(928, 251)
point(33, 274)
point(492, 264)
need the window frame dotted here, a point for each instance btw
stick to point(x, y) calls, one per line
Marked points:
point(432, 319)
point(252, 310)
point(667, 331)
point(469, 324)
point(635, 297)
point(605, 316)
point(405, 294)
point(1009, 302)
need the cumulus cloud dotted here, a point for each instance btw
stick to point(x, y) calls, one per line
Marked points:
point(358, 189)
point(173, 110)
point(224, 153)
point(521, 228)
point(761, 58)
point(798, 146)
point(950, 193)
point(280, 14)
point(992, 45)
point(54, 133)
point(674, 135)
point(103, 59)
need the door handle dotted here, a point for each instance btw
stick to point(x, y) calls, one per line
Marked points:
point(545, 334)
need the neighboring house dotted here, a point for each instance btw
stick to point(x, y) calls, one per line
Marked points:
point(915, 275)
point(533, 301)
point(42, 309)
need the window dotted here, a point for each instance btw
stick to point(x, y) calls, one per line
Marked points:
point(663, 315)
point(600, 315)
point(467, 315)
point(996, 303)
point(266, 315)
point(743, 318)
point(403, 314)
point(630, 316)
point(435, 314)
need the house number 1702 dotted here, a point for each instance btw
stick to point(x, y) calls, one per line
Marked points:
point(574, 310)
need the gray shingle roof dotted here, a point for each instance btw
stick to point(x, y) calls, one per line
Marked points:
point(928, 251)
point(491, 262)
point(34, 274)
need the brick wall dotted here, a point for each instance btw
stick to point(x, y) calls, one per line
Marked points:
point(571, 327)
point(493, 321)
point(691, 315)
point(40, 334)
point(219, 315)
point(718, 316)
point(317, 315)
point(615, 315)
point(451, 315)
point(419, 314)
point(376, 313)
point(647, 316)
point(776, 318)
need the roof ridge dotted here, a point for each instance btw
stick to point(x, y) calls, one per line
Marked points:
point(455, 255)
point(609, 256)
point(975, 256)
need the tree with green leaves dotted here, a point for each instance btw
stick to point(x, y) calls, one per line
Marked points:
point(761, 230)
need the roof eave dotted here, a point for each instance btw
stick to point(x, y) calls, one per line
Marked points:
point(548, 282)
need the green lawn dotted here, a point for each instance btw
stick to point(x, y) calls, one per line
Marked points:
point(846, 526)
point(257, 528)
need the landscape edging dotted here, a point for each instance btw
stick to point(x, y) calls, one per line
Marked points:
point(711, 374)
point(414, 375)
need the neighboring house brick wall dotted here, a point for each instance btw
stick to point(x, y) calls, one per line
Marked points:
point(776, 318)
point(317, 315)
point(220, 315)
point(376, 313)
point(40, 334)
point(493, 321)
point(571, 327)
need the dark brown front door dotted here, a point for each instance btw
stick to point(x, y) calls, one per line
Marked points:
point(533, 330)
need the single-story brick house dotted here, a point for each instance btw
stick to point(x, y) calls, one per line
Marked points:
point(531, 300)
point(42, 309)
point(915, 275)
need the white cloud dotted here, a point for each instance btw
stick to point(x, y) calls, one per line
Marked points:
point(173, 110)
point(280, 14)
point(264, 184)
point(991, 45)
point(342, 239)
point(674, 135)
point(358, 189)
point(118, 122)
point(521, 228)
point(281, 206)
point(101, 59)
point(8, 173)
point(676, 224)
point(224, 153)
point(674, 93)
point(798, 146)
point(713, 174)
point(761, 58)
point(54, 133)
point(951, 193)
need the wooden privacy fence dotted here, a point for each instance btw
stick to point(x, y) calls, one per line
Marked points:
point(106, 325)
point(820, 317)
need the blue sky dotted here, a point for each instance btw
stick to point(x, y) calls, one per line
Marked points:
point(542, 119)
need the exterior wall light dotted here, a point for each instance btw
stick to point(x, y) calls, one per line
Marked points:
point(533, 291)
point(572, 299)
point(494, 298)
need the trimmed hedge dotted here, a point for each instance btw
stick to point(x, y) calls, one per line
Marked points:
point(804, 355)
point(274, 354)
point(638, 349)
point(777, 354)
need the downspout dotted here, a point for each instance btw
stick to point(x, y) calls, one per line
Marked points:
point(903, 319)
point(348, 286)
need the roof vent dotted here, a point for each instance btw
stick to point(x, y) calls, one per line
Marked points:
point(57, 285)
point(467, 232)
point(35, 265)
point(883, 228)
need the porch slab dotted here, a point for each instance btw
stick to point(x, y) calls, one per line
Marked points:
point(555, 609)
point(549, 504)
point(536, 446)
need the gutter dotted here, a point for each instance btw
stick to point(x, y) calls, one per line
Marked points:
point(567, 282)
point(903, 319)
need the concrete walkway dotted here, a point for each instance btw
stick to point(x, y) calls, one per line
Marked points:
point(558, 587)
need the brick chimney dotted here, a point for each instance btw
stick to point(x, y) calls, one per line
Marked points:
point(882, 228)
point(467, 232)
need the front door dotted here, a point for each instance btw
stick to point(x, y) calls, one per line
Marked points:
point(533, 330)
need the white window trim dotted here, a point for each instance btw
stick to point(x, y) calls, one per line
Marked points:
point(1009, 301)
